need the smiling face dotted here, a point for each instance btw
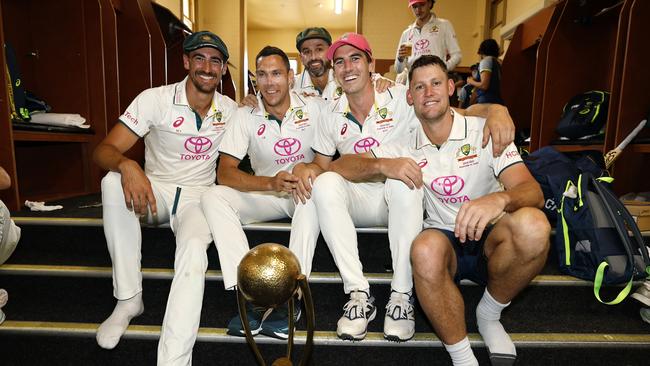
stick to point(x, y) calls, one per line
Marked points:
point(273, 80)
point(429, 92)
point(205, 67)
point(312, 55)
point(352, 69)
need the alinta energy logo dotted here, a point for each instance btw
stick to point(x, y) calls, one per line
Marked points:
point(365, 144)
point(449, 188)
point(288, 149)
point(197, 146)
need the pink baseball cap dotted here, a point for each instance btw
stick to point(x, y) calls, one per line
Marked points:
point(353, 39)
point(411, 2)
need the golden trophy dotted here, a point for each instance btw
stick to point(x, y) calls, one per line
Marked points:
point(268, 276)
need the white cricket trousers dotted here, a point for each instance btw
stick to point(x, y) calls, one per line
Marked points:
point(226, 209)
point(9, 234)
point(180, 206)
point(339, 206)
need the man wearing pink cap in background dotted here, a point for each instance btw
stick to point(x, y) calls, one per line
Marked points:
point(342, 199)
point(428, 35)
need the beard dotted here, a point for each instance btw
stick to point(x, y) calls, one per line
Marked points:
point(205, 86)
point(317, 68)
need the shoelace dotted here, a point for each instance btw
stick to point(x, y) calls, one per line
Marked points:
point(404, 307)
point(358, 307)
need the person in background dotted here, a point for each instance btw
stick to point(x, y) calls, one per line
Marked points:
point(428, 35)
point(488, 83)
point(182, 125)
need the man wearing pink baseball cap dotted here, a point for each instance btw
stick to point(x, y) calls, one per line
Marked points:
point(340, 198)
point(428, 35)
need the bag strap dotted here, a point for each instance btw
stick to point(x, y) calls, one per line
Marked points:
point(598, 282)
point(609, 200)
point(565, 227)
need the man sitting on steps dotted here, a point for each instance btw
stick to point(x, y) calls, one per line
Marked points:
point(182, 125)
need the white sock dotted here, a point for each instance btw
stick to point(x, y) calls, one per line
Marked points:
point(112, 329)
point(488, 313)
point(461, 353)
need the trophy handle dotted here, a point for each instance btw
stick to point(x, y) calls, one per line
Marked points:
point(311, 321)
point(241, 303)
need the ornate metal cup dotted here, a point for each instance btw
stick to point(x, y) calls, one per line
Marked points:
point(269, 276)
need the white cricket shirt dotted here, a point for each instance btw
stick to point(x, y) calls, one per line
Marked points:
point(180, 148)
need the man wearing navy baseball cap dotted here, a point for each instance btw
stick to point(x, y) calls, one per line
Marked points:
point(182, 125)
point(343, 197)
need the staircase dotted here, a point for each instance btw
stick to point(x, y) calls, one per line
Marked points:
point(60, 290)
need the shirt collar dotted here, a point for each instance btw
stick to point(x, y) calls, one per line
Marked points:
point(305, 79)
point(296, 102)
point(381, 100)
point(458, 131)
point(180, 97)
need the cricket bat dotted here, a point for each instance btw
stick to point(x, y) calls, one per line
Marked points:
point(612, 155)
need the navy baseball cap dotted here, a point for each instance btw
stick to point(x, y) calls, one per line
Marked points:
point(202, 39)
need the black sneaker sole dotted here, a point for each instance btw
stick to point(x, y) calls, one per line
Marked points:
point(396, 339)
point(348, 337)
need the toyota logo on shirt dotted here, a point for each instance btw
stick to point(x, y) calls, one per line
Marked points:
point(421, 44)
point(448, 186)
point(364, 145)
point(287, 146)
point(198, 144)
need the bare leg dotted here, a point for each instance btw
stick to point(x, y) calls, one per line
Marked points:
point(434, 265)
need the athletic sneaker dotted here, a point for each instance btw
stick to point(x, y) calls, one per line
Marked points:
point(276, 325)
point(256, 316)
point(399, 323)
point(3, 301)
point(643, 293)
point(357, 313)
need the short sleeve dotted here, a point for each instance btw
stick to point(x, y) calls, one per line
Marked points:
point(486, 64)
point(142, 113)
point(236, 139)
point(509, 157)
point(324, 141)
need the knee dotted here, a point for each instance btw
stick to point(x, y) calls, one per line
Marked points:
point(191, 256)
point(327, 187)
point(531, 232)
point(429, 258)
point(111, 185)
point(215, 197)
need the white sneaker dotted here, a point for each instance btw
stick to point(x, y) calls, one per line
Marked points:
point(399, 323)
point(643, 293)
point(3, 301)
point(357, 313)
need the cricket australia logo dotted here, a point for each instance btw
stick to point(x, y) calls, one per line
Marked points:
point(299, 114)
point(218, 116)
point(465, 149)
point(364, 145)
point(197, 146)
point(288, 149)
point(383, 112)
